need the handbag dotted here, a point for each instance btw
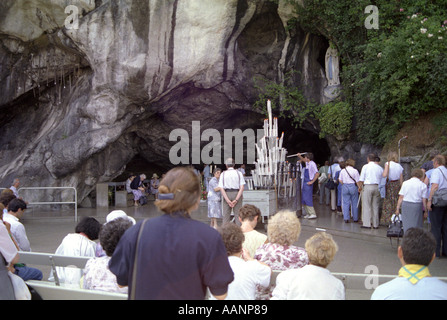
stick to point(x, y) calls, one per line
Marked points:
point(395, 229)
point(134, 272)
point(330, 184)
point(21, 290)
point(440, 196)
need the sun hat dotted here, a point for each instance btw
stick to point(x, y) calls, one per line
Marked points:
point(115, 214)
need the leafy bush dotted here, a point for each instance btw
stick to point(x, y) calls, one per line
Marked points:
point(391, 75)
point(335, 119)
point(287, 101)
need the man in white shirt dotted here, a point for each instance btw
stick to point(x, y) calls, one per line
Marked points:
point(16, 209)
point(369, 180)
point(15, 186)
point(438, 213)
point(231, 184)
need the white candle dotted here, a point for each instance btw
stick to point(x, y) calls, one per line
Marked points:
point(269, 108)
point(281, 140)
point(275, 126)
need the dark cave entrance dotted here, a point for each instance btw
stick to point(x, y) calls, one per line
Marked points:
point(296, 140)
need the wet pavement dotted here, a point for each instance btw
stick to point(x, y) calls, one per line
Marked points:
point(358, 248)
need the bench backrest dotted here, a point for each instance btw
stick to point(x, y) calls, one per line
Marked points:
point(49, 291)
point(53, 260)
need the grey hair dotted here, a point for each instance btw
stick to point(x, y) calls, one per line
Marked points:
point(229, 162)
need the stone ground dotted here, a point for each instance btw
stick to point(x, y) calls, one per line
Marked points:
point(358, 248)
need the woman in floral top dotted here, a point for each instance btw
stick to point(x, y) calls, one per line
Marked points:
point(97, 275)
point(279, 253)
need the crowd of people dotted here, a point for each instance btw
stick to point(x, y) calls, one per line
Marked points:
point(385, 196)
point(174, 257)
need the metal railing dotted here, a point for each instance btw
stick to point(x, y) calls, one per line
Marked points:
point(75, 201)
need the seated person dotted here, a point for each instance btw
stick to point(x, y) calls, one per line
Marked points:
point(279, 253)
point(247, 272)
point(128, 182)
point(415, 253)
point(249, 216)
point(138, 189)
point(11, 219)
point(97, 275)
point(314, 281)
point(115, 214)
point(9, 256)
point(78, 244)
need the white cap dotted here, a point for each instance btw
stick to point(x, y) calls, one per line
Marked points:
point(115, 214)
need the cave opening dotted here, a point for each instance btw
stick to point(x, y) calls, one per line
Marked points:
point(296, 140)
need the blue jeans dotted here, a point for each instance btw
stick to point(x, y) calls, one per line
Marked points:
point(28, 273)
point(350, 197)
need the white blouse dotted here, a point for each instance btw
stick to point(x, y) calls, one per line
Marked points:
point(413, 190)
point(308, 283)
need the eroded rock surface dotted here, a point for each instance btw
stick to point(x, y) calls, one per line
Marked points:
point(78, 104)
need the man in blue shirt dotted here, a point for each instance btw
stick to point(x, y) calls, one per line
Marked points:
point(414, 282)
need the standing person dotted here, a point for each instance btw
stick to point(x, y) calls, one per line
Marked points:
point(138, 188)
point(339, 187)
point(349, 178)
point(313, 281)
point(413, 198)
point(428, 165)
point(437, 213)
point(207, 176)
point(172, 256)
point(154, 183)
point(369, 180)
point(214, 199)
point(249, 216)
point(415, 253)
point(231, 184)
point(322, 179)
point(242, 169)
point(393, 172)
point(15, 187)
point(332, 171)
point(248, 272)
point(309, 176)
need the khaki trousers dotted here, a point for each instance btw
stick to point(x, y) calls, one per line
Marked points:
point(226, 210)
point(370, 205)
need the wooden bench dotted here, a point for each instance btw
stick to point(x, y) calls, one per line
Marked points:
point(48, 290)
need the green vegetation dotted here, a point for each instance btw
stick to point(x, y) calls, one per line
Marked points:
point(390, 76)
